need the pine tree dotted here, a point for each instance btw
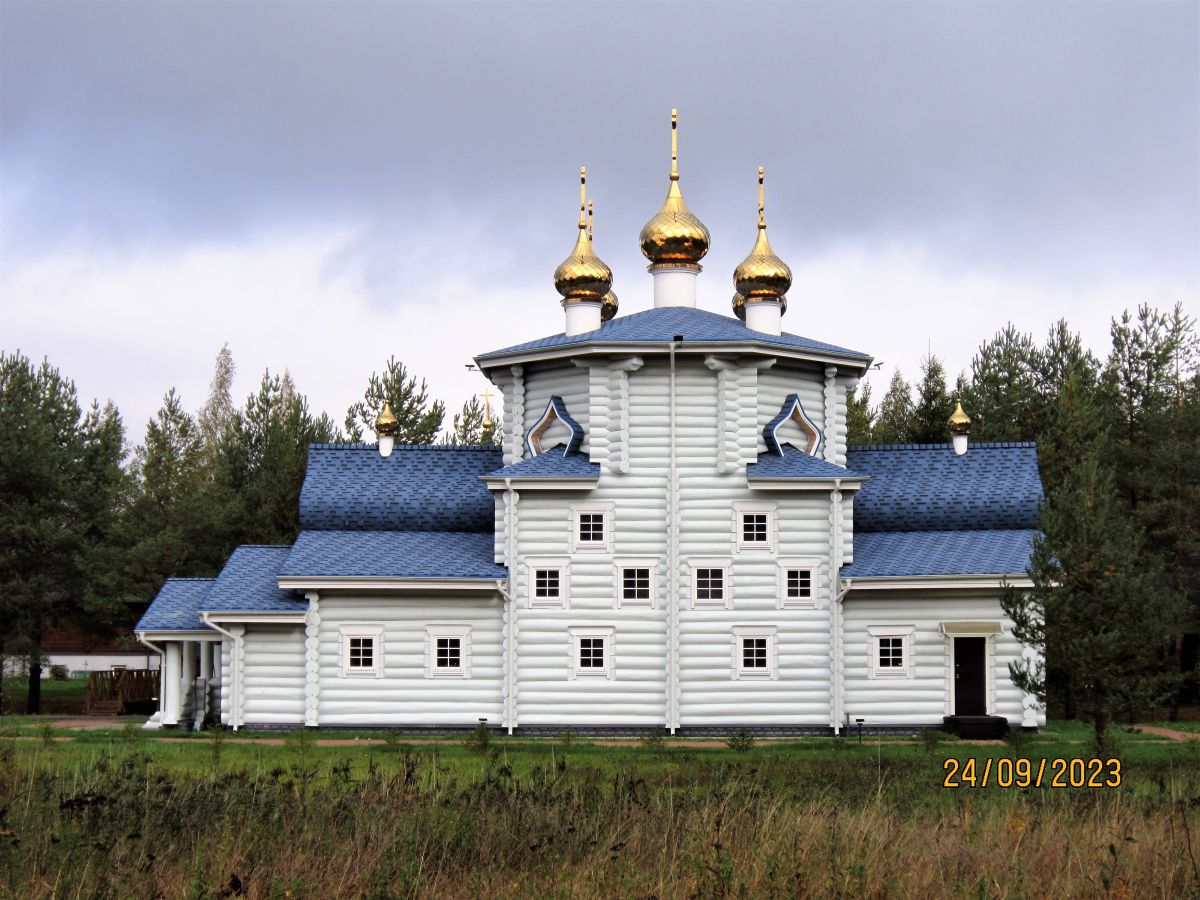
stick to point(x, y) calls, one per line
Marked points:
point(470, 427)
point(1093, 609)
point(1003, 395)
point(894, 425)
point(59, 474)
point(860, 418)
point(418, 420)
point(933, 407)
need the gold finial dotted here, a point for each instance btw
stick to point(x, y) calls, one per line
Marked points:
point(674, 237)
point(591, 220)
point(582, 275)
point(762, 276)
point(487, 408)
point(762, 219)
point(960, 422)
point(674, 145)
point(386, 424)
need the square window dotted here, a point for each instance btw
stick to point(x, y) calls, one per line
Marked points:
point(754, 528)
point(799, 584)
point(754, 653)
point(891, 653)
point(710, 584)
point(592, 652)
point(591, 528)
point(547, 584)
point(635, 584)
point(449, 653)
point(362, 653)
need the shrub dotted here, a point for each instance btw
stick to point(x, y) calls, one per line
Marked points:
point(740, 741)
point(480, 737)
point(59, 673)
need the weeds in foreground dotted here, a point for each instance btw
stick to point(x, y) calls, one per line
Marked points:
point(740, 741)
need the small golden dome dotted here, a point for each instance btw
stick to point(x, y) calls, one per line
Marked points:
point(386, 424)
point(739, 306)
point(608, 307)
point(762, 275)
point(960, 422)
point(582, 276)
point(673, 236)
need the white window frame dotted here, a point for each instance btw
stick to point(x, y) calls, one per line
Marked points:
point(813, 565)
point(463, 633)
point(905, 633)
point(578, 546)
point(726, 566)
point(743, 508)
point(770, 633)
point(563, 566)
point(373, 632)
point(641, 562)
point(606, 632)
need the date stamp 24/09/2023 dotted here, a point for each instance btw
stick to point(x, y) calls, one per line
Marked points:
point(1006, 772)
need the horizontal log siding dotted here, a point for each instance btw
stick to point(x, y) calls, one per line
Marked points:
point(404, 695)
point(710, 692)
point(925, 698)
point(273, 678)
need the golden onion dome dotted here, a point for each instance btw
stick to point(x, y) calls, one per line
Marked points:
point(960, 422)
point(762, 275)
point(608, 307)
point(674, 236)
point(582, 276)
point(739, 306)
point(386, 424)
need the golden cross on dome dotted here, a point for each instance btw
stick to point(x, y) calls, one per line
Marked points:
point(762, 219)
point(487, 408)
point(591, 214)
point(674, 145)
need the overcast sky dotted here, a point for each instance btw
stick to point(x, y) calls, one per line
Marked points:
point(323, 185)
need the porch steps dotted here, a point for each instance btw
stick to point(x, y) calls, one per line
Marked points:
point(976, 728)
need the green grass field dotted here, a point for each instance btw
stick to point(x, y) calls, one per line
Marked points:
point(117, 812)
point(59, 698)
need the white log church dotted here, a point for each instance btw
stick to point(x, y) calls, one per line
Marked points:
point(672, 534)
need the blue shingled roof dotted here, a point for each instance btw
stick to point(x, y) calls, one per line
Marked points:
point(247, 583)
point(392, 554)
point(177, 606)
point(912, 553)
point(551, 464)
point(795, 464)
point(926, 487)
point(661, 326)
point(350, 487)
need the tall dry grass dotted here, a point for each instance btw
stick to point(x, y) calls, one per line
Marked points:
point(756, 827)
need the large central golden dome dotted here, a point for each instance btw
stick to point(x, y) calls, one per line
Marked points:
point(674, 236)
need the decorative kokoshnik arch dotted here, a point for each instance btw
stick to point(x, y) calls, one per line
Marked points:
point(556, 411)
point(793, 411)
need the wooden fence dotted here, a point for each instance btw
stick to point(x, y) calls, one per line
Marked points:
point(119, 691)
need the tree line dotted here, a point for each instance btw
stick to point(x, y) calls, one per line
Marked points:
point(91, 526)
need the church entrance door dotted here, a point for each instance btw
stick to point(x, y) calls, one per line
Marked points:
point(970, 677)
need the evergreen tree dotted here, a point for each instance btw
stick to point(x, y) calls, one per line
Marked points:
point(1093, 609)
point(860, 418)
point(262, 462)
point(418, 419)
point(895, 423)
point(932, 410)
point(470, 426)
point(1003, 396)
point(59, 470)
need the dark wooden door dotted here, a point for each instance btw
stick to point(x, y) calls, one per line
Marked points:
point(970, 679)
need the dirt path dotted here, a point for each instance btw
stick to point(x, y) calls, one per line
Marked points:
point(1169, 733)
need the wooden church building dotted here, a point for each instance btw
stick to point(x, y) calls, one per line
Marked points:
point(671, 534)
